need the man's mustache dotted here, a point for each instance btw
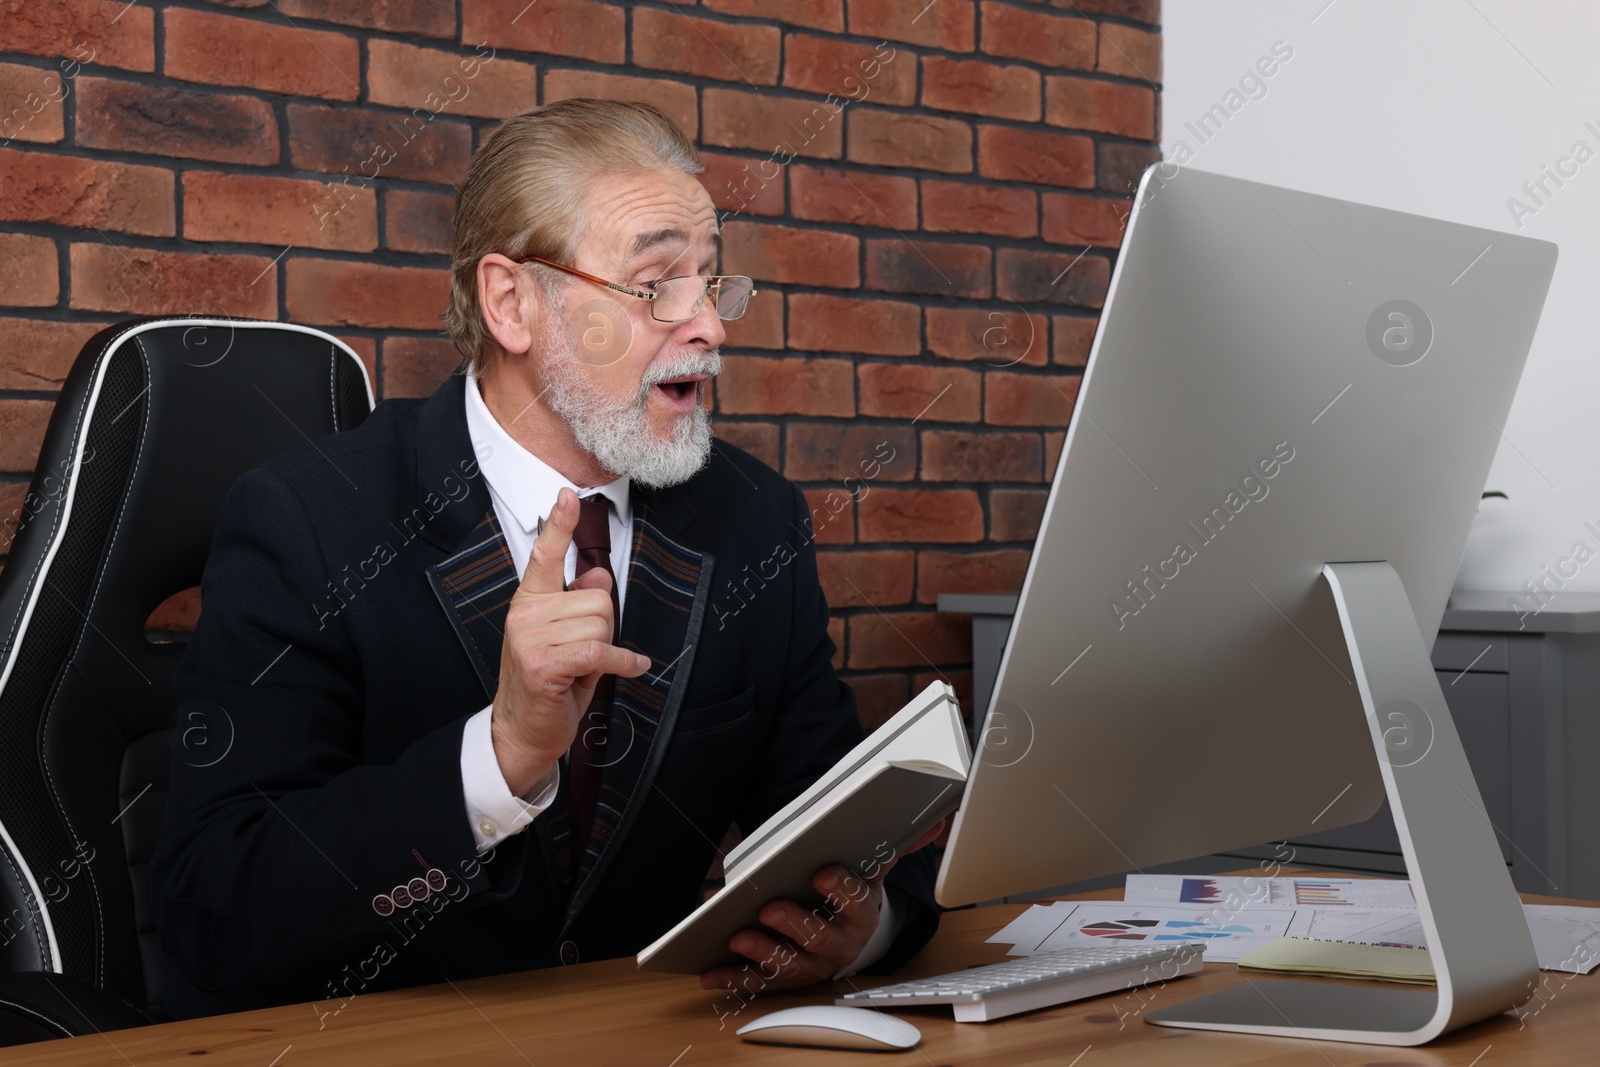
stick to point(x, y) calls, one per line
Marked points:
point(710, 365)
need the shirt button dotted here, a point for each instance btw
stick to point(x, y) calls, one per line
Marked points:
point(487, 827)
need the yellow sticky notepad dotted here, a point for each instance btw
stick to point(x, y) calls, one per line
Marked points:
point(1339, 959)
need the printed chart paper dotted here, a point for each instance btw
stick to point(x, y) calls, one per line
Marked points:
point(1067, 923)
point(1240, 892)
point(1566, 938)
point(1386, 928)
point(1363, 911)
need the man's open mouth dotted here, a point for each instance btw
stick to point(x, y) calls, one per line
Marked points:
point(681, 387)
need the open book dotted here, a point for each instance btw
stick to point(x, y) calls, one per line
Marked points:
point(883, 795)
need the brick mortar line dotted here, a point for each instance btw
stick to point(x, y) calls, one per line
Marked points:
point(181, 167)
point(268, 15)
point(158, 41)
point(181, 164)
point(478, 125)
point(177, 243)
point(854, 37)
point(362, 36)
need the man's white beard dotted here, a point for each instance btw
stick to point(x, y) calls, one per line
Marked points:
point(619, 435)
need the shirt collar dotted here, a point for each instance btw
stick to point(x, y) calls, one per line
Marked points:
point(526, 484)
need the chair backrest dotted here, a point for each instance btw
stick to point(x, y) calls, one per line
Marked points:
point(156, 421)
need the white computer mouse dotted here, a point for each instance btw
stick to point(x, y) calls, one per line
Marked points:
point(832, 1026)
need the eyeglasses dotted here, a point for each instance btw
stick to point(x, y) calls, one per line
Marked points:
point(678, 299)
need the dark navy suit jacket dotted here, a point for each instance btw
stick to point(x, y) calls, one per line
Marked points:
point(316, 842)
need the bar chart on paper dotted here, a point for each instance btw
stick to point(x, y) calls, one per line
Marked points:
point(1236, 892)
point(1215, 891)
point(1352, 892)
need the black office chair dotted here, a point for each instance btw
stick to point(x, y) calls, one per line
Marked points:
point(156, 420)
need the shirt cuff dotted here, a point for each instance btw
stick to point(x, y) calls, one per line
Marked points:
point(889, 920)
point(495, 814)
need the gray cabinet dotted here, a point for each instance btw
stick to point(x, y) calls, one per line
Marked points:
point(1525, 695)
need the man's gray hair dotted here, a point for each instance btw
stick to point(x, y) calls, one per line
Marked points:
point(527, 188)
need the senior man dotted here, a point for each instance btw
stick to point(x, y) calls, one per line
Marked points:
point(461, 745)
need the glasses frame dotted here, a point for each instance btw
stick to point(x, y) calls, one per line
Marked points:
point(713, 286)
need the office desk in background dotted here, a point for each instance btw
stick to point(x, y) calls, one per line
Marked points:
point(610, 1013)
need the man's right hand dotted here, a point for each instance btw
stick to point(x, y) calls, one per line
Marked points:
point(557, 646)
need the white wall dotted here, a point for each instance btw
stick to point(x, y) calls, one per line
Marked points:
point(1442, 108)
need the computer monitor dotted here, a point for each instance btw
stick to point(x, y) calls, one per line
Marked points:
point(1285, 424)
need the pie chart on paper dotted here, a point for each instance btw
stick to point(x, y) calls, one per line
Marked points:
point(1124, 930)
point(1227, 936)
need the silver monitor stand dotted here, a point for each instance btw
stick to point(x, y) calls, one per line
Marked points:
point(1286, 421)
point(1477, 937)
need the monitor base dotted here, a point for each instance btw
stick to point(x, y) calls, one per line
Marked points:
point(1477, 936)
point(1367, 1013)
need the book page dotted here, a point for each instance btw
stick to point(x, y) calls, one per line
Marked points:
point(903, 737)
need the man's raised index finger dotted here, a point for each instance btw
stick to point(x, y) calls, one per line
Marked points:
point(546, 569)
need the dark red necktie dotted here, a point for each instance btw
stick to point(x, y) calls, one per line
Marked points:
point(587, 756)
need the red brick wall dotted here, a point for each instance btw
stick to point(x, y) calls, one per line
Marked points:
point(931, 253)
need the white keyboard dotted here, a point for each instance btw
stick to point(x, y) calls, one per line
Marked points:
point(981, 994)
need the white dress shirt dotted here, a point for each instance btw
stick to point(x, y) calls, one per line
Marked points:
point(523, 489)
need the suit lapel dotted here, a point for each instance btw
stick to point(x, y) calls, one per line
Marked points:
point(669, 586)
point(474, 585)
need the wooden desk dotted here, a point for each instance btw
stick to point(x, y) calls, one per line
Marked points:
point(610, 1013)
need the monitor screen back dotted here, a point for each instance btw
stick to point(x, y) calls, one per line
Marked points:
point(1278, 380)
